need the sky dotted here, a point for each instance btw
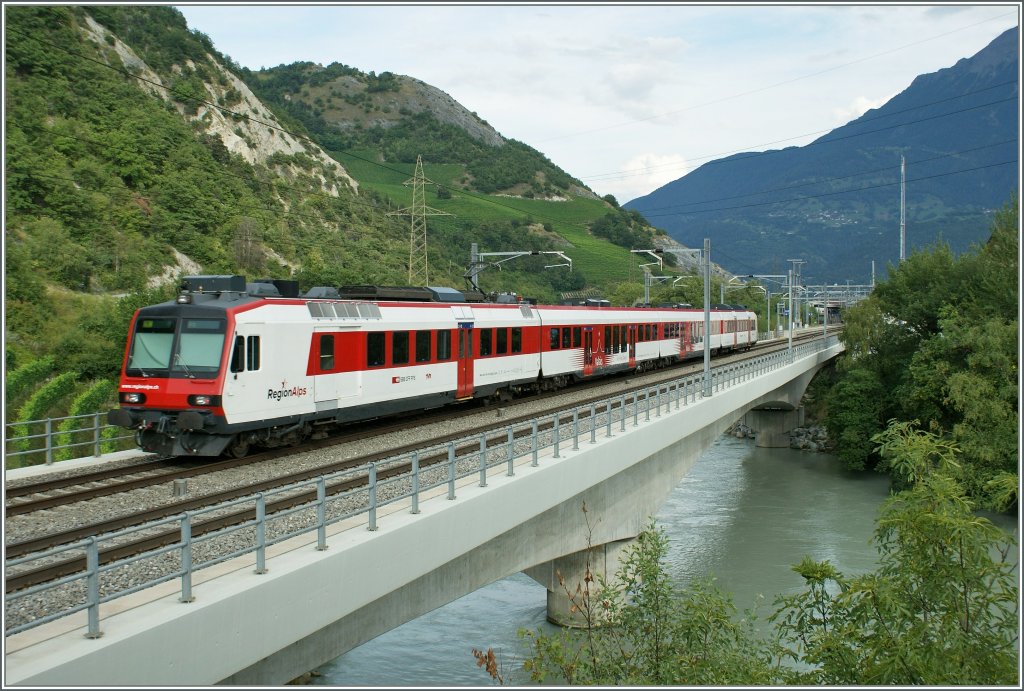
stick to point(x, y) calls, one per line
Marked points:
point(630, 97)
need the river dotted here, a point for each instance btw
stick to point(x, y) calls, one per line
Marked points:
point(744, 514)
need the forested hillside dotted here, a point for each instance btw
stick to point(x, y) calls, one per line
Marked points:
point(136, 153)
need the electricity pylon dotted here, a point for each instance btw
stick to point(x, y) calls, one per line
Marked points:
point(418, 270)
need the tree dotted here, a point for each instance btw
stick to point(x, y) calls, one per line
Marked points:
point(641, 629)
point(938, 342)
point(942, 607)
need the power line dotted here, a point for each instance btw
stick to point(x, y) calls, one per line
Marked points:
point(777, 84)
point(831, 194)
point(829, 180)
point(828, 141)
point(541, 216)
point(232, 113)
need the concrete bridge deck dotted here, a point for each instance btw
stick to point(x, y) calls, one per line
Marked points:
point(313, 605)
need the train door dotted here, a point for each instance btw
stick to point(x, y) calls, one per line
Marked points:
point(325, 386)
point(632, 345)
point(685, 340)
point(735, 332)
point(464, 364)
point(588, 351)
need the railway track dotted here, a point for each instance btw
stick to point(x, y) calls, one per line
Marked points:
point(464, 449)
point(47, 494)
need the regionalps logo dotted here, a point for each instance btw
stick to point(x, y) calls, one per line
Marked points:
point(285, 392)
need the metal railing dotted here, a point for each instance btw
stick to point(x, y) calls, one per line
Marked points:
point(35, 442)
point(86, 591)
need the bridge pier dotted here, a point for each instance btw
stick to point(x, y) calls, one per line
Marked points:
point(565, 580)
point(772, 425)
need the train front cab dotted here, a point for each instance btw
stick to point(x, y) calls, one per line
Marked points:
point(171, 379)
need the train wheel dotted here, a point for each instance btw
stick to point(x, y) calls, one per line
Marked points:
point(238, 448)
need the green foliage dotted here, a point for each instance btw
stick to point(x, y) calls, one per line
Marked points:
point(39, 405)
point(942, 607)
point(939, 342)
point(643, 630)
point(28, 375)
point(623, 229)
point(98, 397)
point(855, 405)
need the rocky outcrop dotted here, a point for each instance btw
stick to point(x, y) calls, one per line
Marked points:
point(812, 438)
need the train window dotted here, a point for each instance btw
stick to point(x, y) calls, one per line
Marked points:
point(622, 339)
point(200, 346)
point(577, 337)
point(252, 352)
point(517, 339)
point(326, 352)
point(607, 340)
point(399, 347)
point(375, 349)
point(444, 345)
point(566, 338)
point(422, 346)
point(554, 339)
point(615, 339)
point(501, 342)
point(485, 342)
point(238, 355)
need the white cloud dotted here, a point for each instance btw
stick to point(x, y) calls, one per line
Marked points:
point(858, 107)
point(640, 175)
point(591, 85)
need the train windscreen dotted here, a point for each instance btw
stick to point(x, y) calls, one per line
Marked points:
point(167, 346)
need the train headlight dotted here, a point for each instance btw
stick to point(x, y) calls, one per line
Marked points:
point(203, 400)
point(184, 299)
point(133, 397)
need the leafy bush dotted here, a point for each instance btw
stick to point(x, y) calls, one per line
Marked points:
point(42, 405)
point(97, 398)
point(28, 375)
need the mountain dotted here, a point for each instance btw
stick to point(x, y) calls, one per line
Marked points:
point(836, 202)
point(135, 153)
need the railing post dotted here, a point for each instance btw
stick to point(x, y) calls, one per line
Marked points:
point(555, 433)
point(483, 460)
point(261, 534)
point(534, 442)
point(575, 429)
point(186, 558)
point(647, 405)
point(415, 482)
point(593, 423)
point(511, 451)
point(622, 411)
point(321, 514)
point(372, 498)
point(49, 441)
point(92, 565)
point(451, 470)
point(96, 435)
point(608, 422)
point(636, 410)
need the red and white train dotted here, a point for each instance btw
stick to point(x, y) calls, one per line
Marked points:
point(228, 366)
